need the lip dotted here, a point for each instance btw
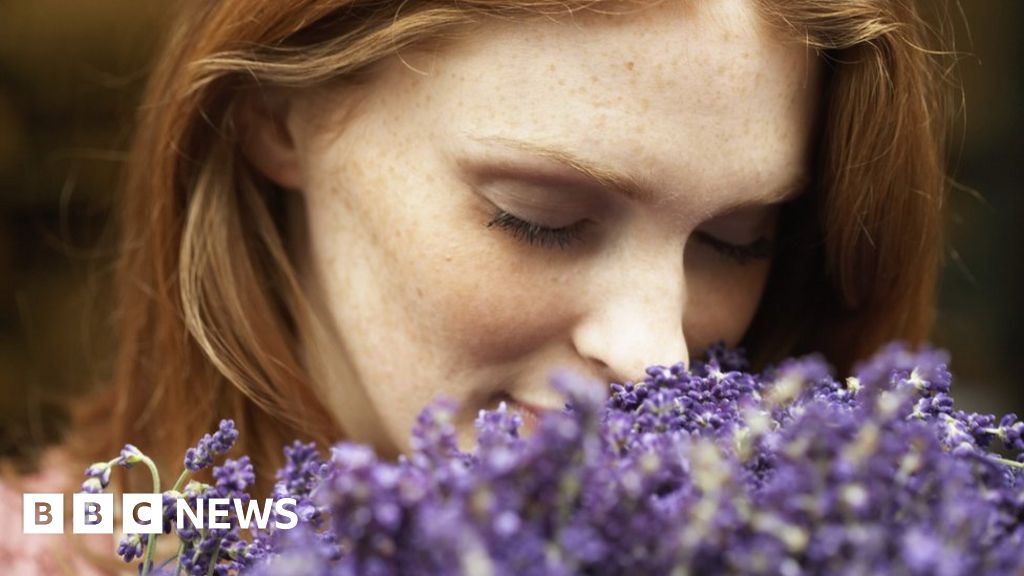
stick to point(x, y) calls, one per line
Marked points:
point(531, 413)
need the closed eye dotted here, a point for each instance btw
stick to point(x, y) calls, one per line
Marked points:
point(564, 237)
point(532, 233)
point(761, 249)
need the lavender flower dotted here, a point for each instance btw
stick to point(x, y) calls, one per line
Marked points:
point(202, 455)
point(233, 477)
point(97, 477)
point(707, 470)
point(700, 470)
point(130, 547)
point(130, 456)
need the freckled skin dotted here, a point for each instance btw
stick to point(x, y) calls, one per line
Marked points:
point(697, 97)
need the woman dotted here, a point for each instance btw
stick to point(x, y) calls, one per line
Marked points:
point(337, 211)
point(311, 227)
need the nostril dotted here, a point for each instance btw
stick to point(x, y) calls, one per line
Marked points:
point(598, 369)
point(601, 371)
point(497, 398)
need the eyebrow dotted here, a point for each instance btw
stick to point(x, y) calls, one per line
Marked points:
point(633, 187)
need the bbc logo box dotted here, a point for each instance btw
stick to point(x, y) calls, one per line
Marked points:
point(91, 513)
point(43, 513)
point(142, 513)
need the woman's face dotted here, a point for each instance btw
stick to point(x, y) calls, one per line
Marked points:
point(658, 143)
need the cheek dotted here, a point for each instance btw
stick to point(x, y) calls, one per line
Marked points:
point(493, 303)
point(721, 301)
point(459, 294)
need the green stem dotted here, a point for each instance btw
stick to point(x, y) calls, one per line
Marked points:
point(1007, 462)
point(151, 541)
point(213, 559)
point(181, 550)
point(177, 488)
point(169, 560)
point(195, 556)
point(181, 480)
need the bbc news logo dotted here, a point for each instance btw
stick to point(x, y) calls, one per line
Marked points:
point(144, 513)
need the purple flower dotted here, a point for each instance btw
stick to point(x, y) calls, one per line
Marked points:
point(209, 446)
point(97, 477)
point(233, 477)
point(130, 456)
point(130, 547)
point(706, 470)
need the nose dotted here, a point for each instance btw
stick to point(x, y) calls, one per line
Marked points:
point(632, 325)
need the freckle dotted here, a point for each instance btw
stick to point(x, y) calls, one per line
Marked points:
point(593, 78)
point(629, 66)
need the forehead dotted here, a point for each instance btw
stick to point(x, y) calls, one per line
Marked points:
point(693, 96)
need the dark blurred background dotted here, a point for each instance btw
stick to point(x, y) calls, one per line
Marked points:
point(70, 77)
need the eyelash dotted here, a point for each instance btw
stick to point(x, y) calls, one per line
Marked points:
point(760, 249)
point(563, 238)
point(532, 233)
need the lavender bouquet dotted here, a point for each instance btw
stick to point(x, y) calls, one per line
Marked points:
point(706, 470)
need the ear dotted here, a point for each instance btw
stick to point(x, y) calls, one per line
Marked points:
point(267, 137)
